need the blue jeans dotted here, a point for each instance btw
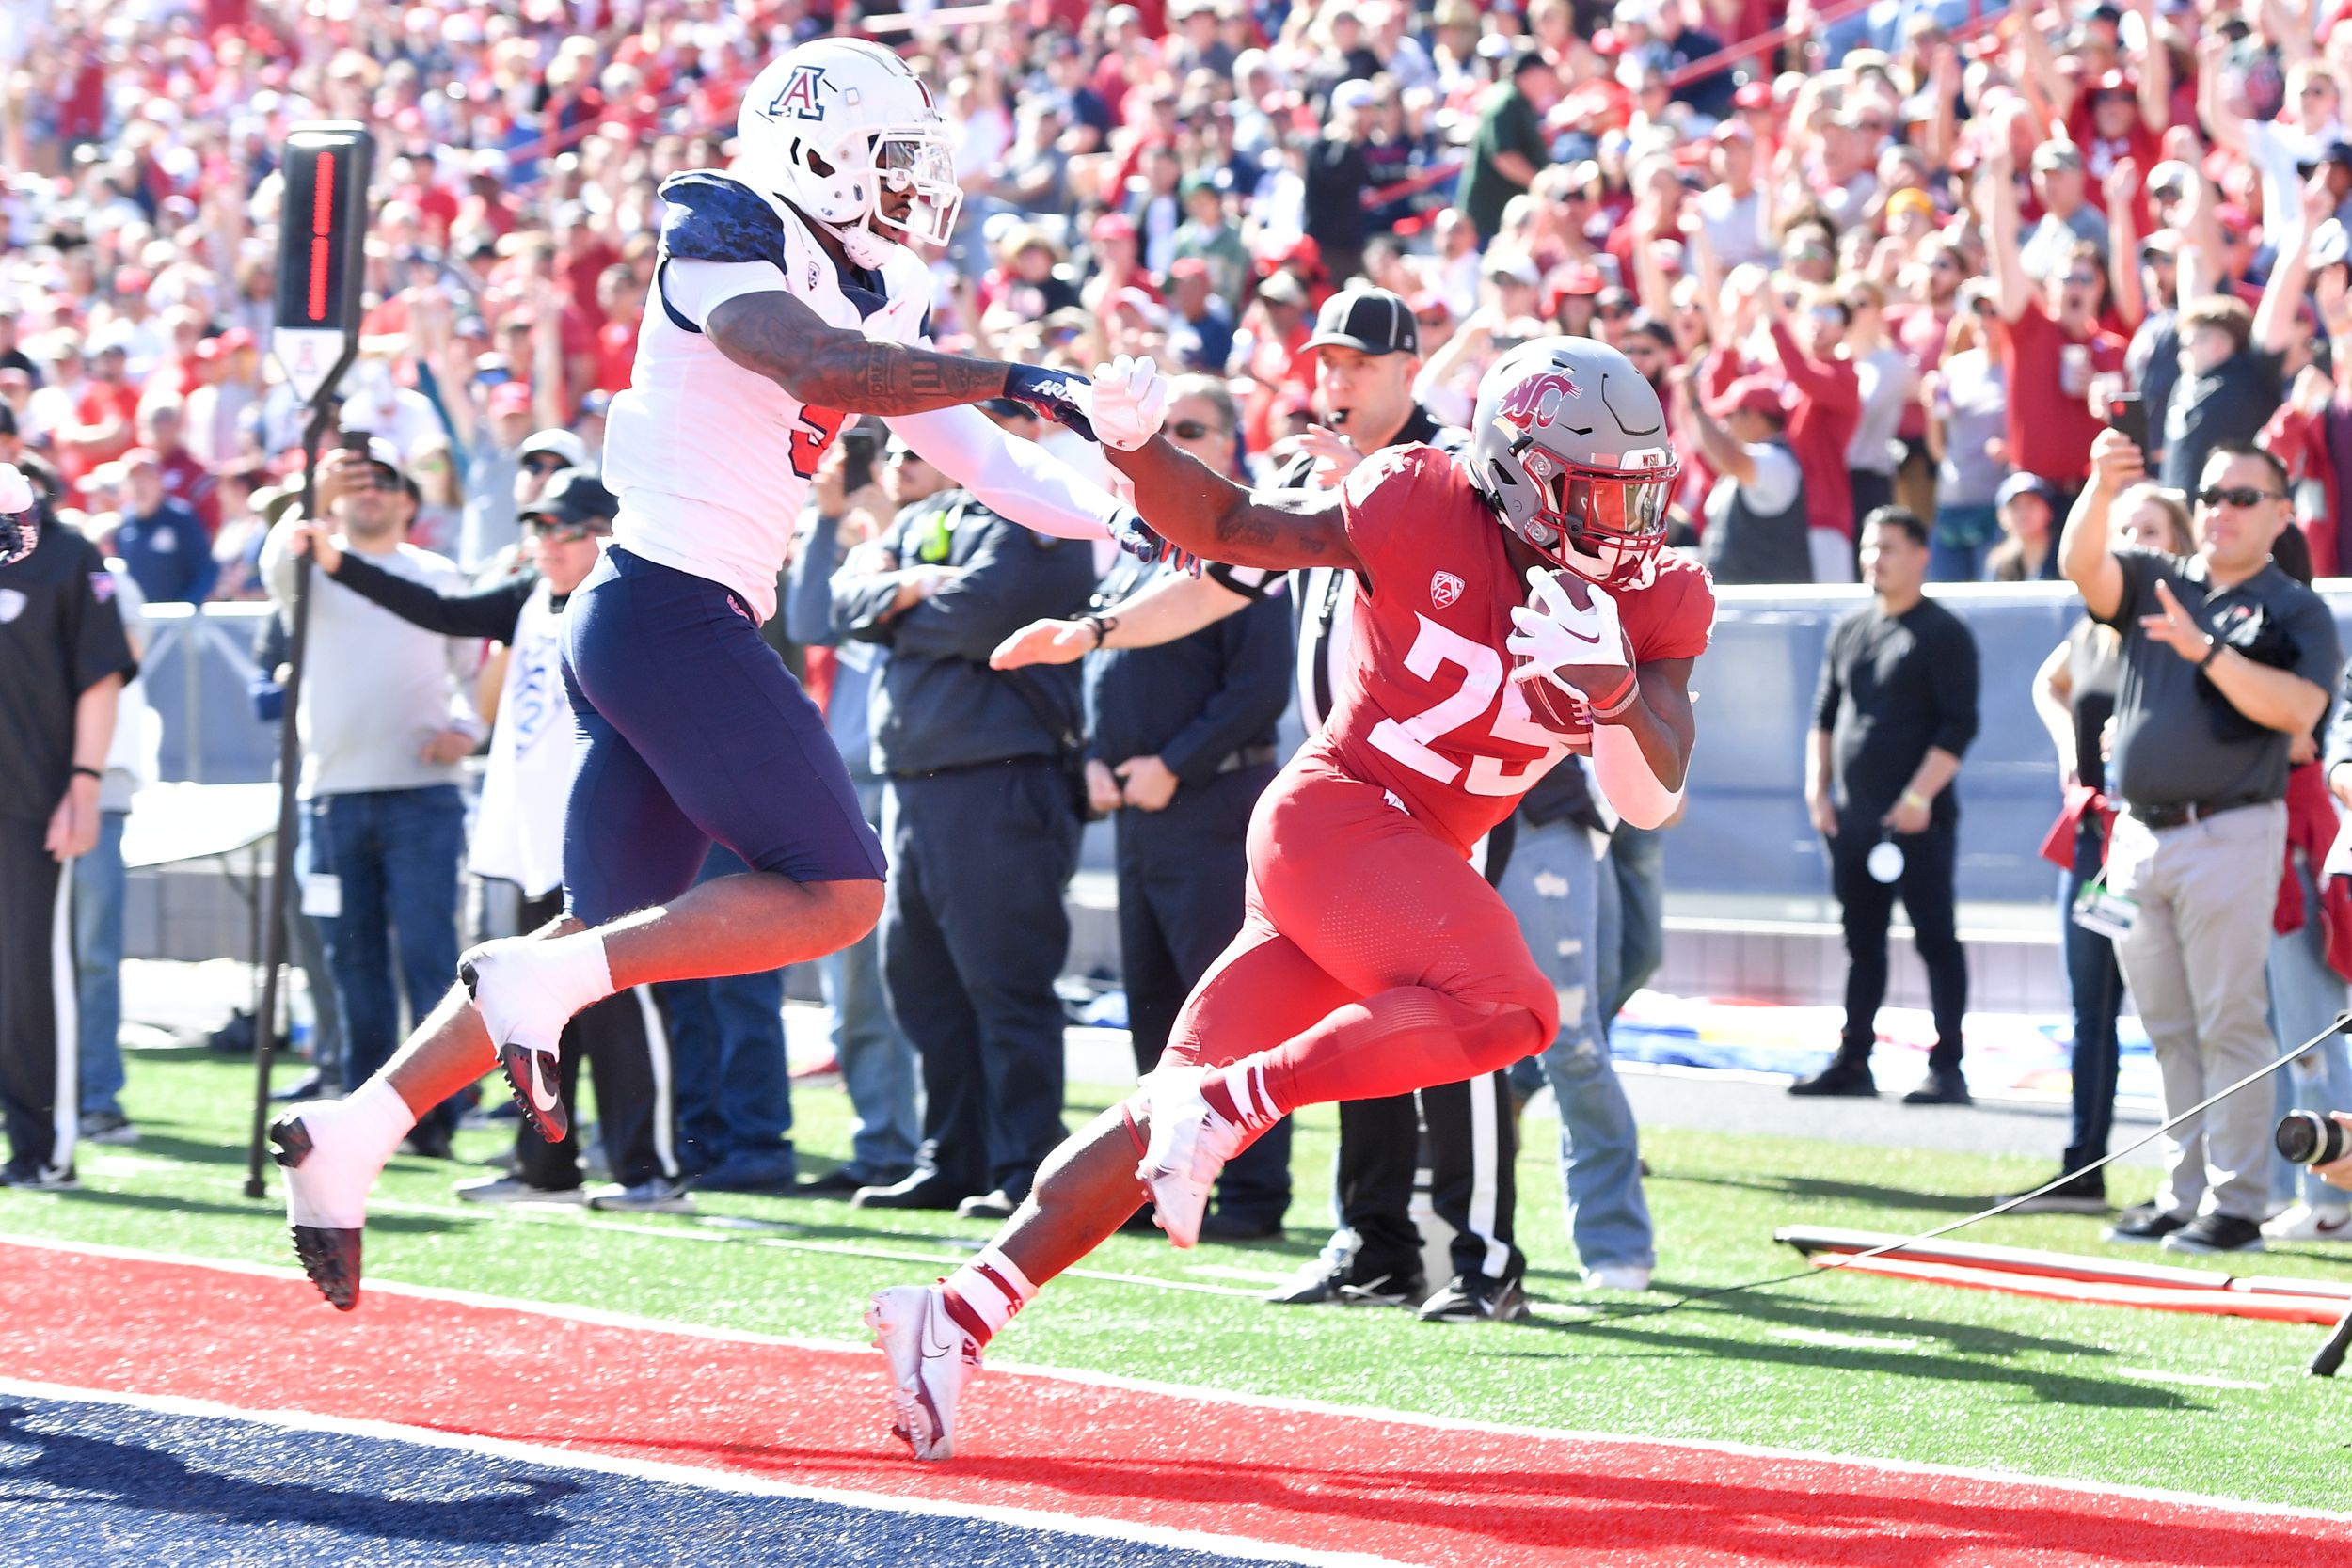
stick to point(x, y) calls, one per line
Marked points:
point(396, 853)
point(2305, 994)
point(733, 1087)
point(1550, 886)
point(877, 1059)
point(2095, 982)
point(98, 890)
point(1630, 929)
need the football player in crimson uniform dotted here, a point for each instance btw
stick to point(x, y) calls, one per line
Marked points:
point(1373, 961)
point(783, 302)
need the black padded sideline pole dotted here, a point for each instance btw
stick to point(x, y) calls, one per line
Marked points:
point(322, 267)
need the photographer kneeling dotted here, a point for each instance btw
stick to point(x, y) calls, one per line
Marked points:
point(2225, 659)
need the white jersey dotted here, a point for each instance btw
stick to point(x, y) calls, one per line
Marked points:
point(711, 462)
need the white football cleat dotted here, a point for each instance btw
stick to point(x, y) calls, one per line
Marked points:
point(328, 1180)
point(2305, 1222)
point(1617, 1277)
point(526, 1018)
point(1188, 1146)
point(932, 1358)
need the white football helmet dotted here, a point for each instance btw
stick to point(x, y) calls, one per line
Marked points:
point(830, 125)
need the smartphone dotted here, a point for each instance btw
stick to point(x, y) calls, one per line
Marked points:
point(2128, 414)
point(860, 445)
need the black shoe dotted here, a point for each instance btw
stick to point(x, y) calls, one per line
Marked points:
point(837, 1182)
point(2078, 1195)
point(428, 1140)
point(1398, 1289)
point(924, 1189)
point(2145, 1222)
point(1473, 1298)
point(234, 1038)
point(765, 1170)
point(37, 1179)
point(312, 1084)
point(997, 1205)
point(1226, 1226)
point(2216, 1233)
point(1841, 1077)
point(1943, 1085)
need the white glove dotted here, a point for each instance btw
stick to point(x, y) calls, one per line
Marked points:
point(1551, 632)
point(1129, 399)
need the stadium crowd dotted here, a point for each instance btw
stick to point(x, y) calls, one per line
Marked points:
point(1915, 255)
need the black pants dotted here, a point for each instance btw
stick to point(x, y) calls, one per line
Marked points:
point(973, 935)
point(1180, 878)
point(629, 1052)
point(40, 1023)
point(1470, 1158)
point(1866, 906)
point(1871, 490)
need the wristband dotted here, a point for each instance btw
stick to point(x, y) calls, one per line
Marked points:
point(82, 772)
point(2212, 652)
point(1605, 709)
point(1102, 626)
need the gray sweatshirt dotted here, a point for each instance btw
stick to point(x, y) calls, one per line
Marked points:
point(375, 689)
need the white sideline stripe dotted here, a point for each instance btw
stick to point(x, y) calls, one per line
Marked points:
point(1220, 1396)
point(557, 1457)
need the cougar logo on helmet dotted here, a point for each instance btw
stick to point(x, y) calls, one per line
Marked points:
point(1534, 400)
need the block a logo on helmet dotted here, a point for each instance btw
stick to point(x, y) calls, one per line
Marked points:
point(831, 128)
point(1569, 446)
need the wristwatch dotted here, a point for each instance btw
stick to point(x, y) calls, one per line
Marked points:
point(2212, 651)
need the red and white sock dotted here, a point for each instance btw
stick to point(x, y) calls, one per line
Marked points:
point(983, 1295)
point(1239, 1094)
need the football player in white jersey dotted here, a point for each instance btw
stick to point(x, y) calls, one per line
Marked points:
point(784, 303)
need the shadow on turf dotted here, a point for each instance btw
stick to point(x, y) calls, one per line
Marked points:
point(271, 1207)
point(1813, 1189)
point(135, 1476)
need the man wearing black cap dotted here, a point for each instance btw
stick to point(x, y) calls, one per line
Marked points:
point(519, 831)
point(1367, 347)
point(67, 658)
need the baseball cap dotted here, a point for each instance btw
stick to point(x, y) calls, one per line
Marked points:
point(576, 497)
point(1188, 267)
point(2024, 484)
point(1911, 200)
point(1754, 95)
point(2058, 155)
point(1755, 394)
point(510, 397)
point(1112, 226)
point(1284, 288)
point(1354, 93)
point(559, 443)
point(1371, 321)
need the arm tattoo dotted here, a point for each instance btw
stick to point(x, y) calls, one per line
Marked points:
point(834, 367)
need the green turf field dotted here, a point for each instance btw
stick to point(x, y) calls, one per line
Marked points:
point(1847, 1365)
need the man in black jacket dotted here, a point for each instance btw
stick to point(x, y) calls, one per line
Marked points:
point(1896, 711)
point(519, 835)
point(981, 817)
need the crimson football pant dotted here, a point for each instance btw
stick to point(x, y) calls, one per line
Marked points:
point(1372, 960)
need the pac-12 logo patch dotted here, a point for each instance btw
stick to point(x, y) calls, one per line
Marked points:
point(798, 96)
point(1444, 588)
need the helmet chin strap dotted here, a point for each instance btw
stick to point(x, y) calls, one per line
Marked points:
point(863, 247)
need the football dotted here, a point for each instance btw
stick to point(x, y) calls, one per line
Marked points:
point(1560, 711)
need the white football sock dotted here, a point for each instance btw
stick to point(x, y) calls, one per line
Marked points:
point(992, 1288)
point(350, 1140)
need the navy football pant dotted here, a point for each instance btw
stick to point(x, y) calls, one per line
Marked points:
point(691, 730)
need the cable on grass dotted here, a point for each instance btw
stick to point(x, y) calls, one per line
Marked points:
point(1816, 1269)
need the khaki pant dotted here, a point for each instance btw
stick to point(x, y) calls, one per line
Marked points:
point(2195, 963)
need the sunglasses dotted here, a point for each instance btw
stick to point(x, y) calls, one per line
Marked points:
point(560, 533)
point(1618, 311)
point(545, 464)
point(2236, 495)
point(1193, 430)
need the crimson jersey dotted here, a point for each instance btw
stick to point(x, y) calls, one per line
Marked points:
point(1424, 706)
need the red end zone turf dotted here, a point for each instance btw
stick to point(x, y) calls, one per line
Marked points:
point(1393, 1487)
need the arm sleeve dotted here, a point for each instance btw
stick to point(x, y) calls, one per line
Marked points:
point(1257, 646)
point(1954, 675)
point(1012, 579)
point(1623, 773)
point(491, 614)
point(808, 583)
point(1831, 690)
point(1012, 478)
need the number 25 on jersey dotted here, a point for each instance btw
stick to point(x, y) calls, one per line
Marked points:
point(1410, 739)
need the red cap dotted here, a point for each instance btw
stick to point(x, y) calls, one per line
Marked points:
point(1758, 394)
point(1605, 43)
point(1754, 95)
point(510, 397)
point(209, 350)
point(1188, 267)
point(2235, 219)
point(235, 340)
point(2116, 81)
point(1112, 226)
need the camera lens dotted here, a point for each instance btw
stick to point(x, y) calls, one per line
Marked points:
point(2311, 1138)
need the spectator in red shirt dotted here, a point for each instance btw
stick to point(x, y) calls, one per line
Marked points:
point(624, 306)
point(106, 412)
point(2054, 343)
point(185, 480)
point(1828, 406)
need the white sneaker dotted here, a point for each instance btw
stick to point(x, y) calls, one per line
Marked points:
point(2304, 1223)
point(1188, 1146)
point(525, 1018)
point(513, 1189)
point(1617, 1277)
point(932, 1358)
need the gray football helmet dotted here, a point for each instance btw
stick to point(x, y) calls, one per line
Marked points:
point(1569, 446)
